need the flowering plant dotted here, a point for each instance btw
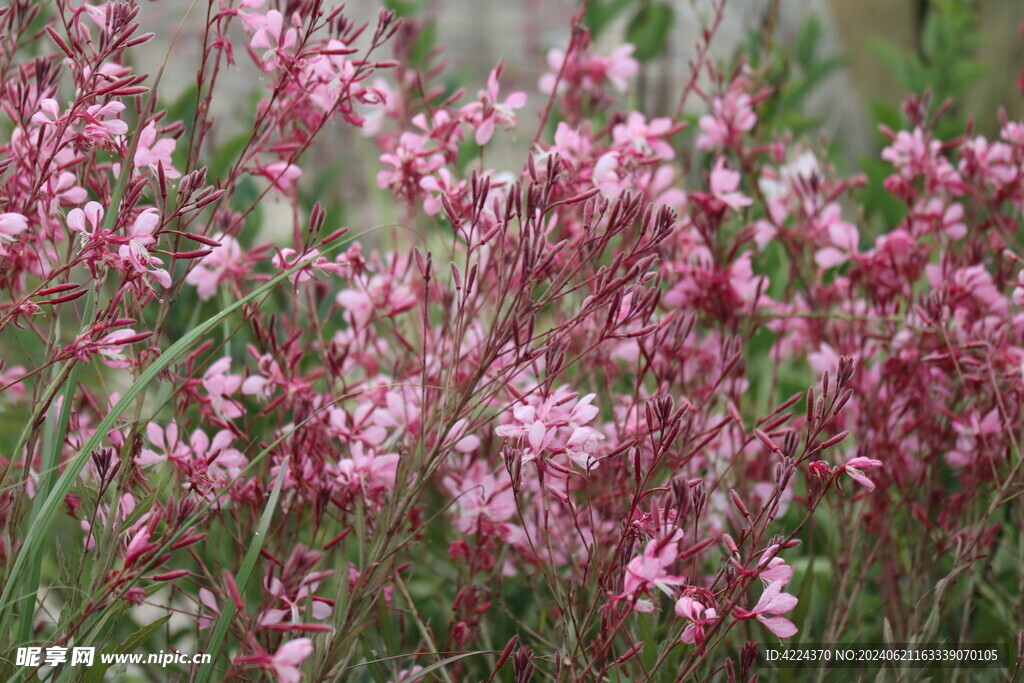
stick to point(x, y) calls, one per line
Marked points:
point(657, 393)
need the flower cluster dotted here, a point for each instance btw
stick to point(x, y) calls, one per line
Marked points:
point(637, 400)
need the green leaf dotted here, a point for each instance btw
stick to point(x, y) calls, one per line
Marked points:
point(135, 641)
point(252, 556)
point(404, 8)
point(226, 155)
point(56, 429)
point(600, 14)
point(807, 42)
point(422, 673)
point(649, 30)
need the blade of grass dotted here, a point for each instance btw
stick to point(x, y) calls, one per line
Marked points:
point(252, 555)
point(422, 673)
point(424, 631)
point(56, 430)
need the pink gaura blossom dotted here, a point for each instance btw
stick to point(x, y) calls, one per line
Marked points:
point(645, 138)
point(383, 295)
point(649, 571)
point(220, 387)
point(853, 468)
point(725, 184)
point(92, 215)
point(212, 463)
point(296, 603)
point(135, 253)
point(483, 500)
point(774, 570)
point(842, 235)
point(281, 174)
point(356, 425)
point(917, 156)
point(100, 129)
point(111, 348)
point(167, 443)
point(581, 446)
point(285, 662)
point(539, 423)
point(414, 157)
point(288, 657)
point(365, 472)
point(970, 289)
point(220, 264)
point(699, 616)
point(273, 38)
point(933, 215)
point(436, 185)
point(486, 114)
point(13, 390)
point(209, 615)
point(732, 115)
point(152, 152)
point(589, 71)
point(122, 511)
point(773, 602)
point(11, 225)
point(972, 433)
point(63, 186)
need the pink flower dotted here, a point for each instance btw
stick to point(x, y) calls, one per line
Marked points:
point(916, 155)
point(208, 616)
point(167, 443)
point(547, 427)
point(285, 662)
point(215, 267)
point(152, 153)
point(214, 461)
point(136, 253)
point(273, 39)
point(383, 295)
point(295, 603)
point(582, 445)
point(11, 225)
point(618, 66)
point(731, 115)
point(220, 387)
point(972, 434)
point(48, 114)
point(773, 602)
point(93, 214)
point(854, 466)
point(700, 618)
point(15, 390)
point(437, 185)
point(111, 349)
point(645, 138)
point(366, 473)
point(488, 112)
point(482, 499)
point(844, 237)
point(1018, 290)
point(100, 129)
point(724, 185)
point(775, 570)
point(281, 174)
point(650, 570)
point(590, 71)
point(414, 157)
